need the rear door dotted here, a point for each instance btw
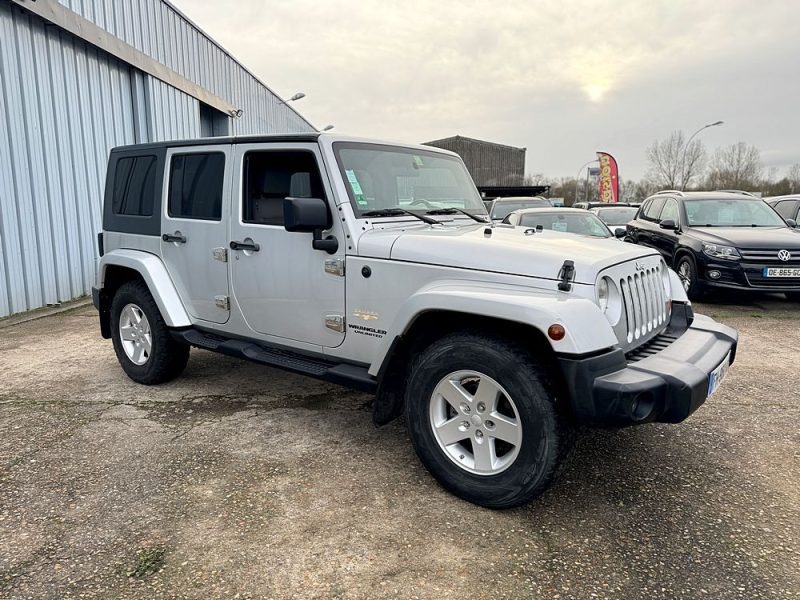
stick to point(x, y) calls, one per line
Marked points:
point(666, 240)
point(193, 230)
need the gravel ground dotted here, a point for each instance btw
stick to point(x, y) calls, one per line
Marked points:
point(239, 481)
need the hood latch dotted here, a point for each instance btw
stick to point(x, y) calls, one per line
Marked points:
point(566, 275)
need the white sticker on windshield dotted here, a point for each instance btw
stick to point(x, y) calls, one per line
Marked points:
point(557, 226)
point(361, 200)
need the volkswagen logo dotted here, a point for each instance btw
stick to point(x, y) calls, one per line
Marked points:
point(784, 255)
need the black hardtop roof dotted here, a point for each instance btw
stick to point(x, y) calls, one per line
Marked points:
point(211, 141)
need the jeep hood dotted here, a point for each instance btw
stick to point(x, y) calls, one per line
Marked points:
point(504, 250)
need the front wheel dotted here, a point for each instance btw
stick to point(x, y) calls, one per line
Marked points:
point(144, 347)
point(483, 420)
point(687, 273)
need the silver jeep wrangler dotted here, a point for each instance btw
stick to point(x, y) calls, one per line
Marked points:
point(375, 266)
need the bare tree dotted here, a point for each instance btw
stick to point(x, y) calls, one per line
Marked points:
point(736, 167)
point(793, 177)
point(673, 164)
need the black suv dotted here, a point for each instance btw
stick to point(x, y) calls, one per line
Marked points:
point(721, 240)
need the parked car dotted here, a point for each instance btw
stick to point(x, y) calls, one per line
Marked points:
point(565, 220)
point(721, 240)
point(372, 265)
point(501, 207)
point(787, 206)
point(616, 217)
point(590, 205)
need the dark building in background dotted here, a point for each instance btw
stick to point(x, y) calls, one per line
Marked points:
point(490, 164)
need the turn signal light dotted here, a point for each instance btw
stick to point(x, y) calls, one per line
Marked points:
point(556, 332)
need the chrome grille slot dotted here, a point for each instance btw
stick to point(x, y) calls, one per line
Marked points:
point(645, 308)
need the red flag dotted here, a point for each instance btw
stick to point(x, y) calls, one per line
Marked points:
point(609, 178)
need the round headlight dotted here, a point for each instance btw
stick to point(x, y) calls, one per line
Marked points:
point(602, 294)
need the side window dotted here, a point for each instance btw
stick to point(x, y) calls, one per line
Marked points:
point(786, 208)
point(195, 186)
point(134, 186)
point(653, 209)
point(271, 176)
point(670, 211)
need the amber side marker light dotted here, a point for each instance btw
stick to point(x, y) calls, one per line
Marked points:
point(556, 332)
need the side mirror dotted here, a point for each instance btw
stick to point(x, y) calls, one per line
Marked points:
point(668, 224)
point(620, 232)
point(791, 222)
point(310, 215)
point(305, 214)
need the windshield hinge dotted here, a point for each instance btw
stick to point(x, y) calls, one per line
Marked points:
point(566, 275)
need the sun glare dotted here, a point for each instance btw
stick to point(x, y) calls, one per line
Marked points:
point(595, 91)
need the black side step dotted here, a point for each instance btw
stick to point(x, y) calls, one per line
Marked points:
point(345, 374)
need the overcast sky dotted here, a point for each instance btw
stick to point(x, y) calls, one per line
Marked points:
point(562, 78)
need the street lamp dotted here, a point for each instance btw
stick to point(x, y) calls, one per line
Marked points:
point(327, 128)
point(686, 148)
point(297, 96)
point(578, 177)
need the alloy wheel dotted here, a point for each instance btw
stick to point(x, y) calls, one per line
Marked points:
point(135, 334)
point(475, 422)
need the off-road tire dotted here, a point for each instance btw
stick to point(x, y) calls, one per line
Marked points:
point(546, 434)
point(167, 358)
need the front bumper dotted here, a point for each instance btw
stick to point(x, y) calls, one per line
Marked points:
point(746, 275)
point(667, 385)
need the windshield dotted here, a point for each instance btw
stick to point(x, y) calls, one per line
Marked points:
point(616, 216)
point(583, 223)
point(731, 213)
point(381, 177)
point(502, 208)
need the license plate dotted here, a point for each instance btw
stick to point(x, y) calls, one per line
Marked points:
point(781, 272)
point(717, 375)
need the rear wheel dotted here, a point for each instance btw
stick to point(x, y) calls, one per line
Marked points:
point(687, 272)
point(144, 347)
point(483, 420)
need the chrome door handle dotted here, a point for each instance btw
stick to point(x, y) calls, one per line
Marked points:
point(252, 247)
point(176, 237)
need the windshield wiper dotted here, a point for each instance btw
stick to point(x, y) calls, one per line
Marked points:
point(453, 211)
point(396, 212)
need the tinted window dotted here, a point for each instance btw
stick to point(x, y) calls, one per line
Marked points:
point(670, 211)
point(617, 215)
point(653, 209)
point(503, 208)
point(731, 213)
point(134, 186)
point(272, 176)
point(786, 208)
point(195, 186)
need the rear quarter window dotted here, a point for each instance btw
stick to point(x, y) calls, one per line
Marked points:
point(134, 186)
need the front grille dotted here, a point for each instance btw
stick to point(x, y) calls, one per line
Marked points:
point(644, 303)
point(770, 256)
point(661, 342)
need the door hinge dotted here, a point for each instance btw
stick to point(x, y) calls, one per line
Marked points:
point(222, 302)
point(334, 322)
point(334, 266)
point(220, 254)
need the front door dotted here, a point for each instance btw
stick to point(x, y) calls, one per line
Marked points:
point(193, 232)
point(282, 286)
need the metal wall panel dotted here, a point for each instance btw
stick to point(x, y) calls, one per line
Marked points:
point(490, 164)
point(160, 30)
point(63, 105)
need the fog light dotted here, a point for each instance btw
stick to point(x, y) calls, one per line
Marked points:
point(556, 332)
point(714, 274)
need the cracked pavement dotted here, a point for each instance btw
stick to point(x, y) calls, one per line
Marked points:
point(240, 479)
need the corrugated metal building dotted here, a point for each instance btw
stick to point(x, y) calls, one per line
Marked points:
point(78, 77)
point(490, 164)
